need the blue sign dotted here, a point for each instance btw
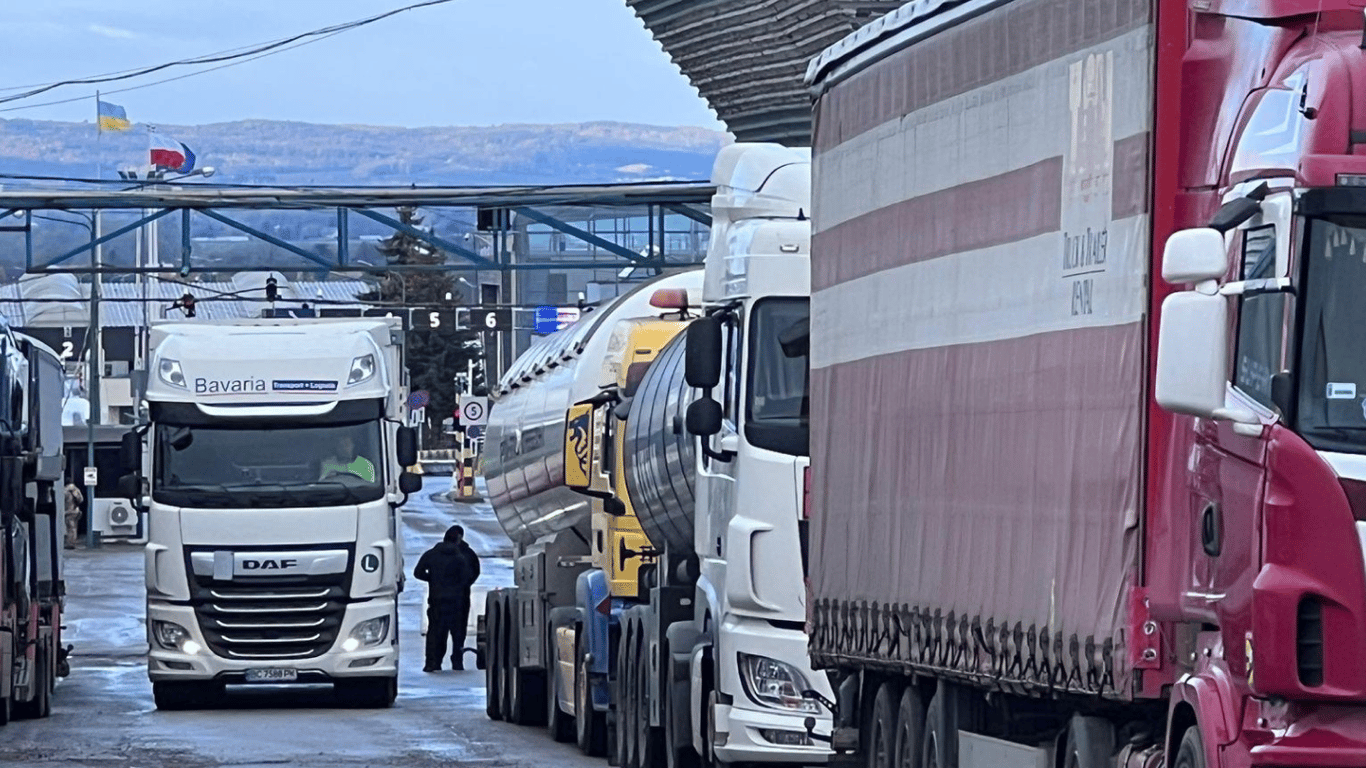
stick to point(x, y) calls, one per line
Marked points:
point(551, 319)
point(419, 399)
point(547, 319)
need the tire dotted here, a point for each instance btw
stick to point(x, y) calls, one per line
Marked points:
point(621, 728)
point(1090, 742)
point(367, 692)
point(41, 704)
point(590, 727)
point(881, 730)
point(558, 722)
point(650, 739)
point(628, 721)
point(493, 693)
point(507, 660)
point(940, 742)
point(910, 730)
point(1191, 753)
point(709, 757)
point(178, 695)
point(683, 756)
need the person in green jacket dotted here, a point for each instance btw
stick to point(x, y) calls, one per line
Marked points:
point(348, 462)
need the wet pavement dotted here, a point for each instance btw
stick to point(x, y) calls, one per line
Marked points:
point(103, 715)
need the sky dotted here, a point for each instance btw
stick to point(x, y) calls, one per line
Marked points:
point(466, 62)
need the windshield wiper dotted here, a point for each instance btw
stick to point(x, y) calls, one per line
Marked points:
point(351, 496)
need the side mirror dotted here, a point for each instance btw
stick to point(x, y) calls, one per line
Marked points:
point(130, 487)
point(578, 446)
point(410, 482)
point(702, 360)
point(704, 417)
point(405, 446)
point(130, 452)
point(1192, 353)
point(1193, 256)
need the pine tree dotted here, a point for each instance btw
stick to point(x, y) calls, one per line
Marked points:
point(435, 358)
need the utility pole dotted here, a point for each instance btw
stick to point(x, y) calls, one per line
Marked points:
point(93, 378)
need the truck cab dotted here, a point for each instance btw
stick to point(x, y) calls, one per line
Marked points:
point(274, 470)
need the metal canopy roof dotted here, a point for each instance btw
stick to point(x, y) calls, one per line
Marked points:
point(747, 58)
point(202, 196)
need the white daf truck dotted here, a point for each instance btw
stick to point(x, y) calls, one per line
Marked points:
point(274, 472)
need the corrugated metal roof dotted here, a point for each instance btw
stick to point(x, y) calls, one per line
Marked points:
point(748, 58)
point(122, 306)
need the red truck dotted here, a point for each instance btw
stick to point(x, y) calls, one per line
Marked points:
point(1088, 480)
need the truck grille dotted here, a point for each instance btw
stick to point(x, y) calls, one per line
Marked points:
point(270, 619)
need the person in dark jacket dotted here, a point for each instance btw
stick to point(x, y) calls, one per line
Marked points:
point(450, 568)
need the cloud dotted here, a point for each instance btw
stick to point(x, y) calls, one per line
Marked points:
point(114, 32)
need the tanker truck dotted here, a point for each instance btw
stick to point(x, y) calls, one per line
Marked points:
point(1087, 460)
point(710, 655)
point(545, 644)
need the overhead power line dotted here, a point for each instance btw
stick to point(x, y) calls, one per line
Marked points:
point(217, 58)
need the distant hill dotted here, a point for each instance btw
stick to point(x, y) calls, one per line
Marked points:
point(287, 153)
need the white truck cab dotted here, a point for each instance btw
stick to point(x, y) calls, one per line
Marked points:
point(274, 473)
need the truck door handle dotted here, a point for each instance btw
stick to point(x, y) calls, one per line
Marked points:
point(1212, 530)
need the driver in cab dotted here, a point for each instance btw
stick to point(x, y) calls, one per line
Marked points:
point(346, 461)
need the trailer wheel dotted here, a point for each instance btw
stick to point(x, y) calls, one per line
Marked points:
point(41, 704)
point(1090, 741)
point(493, 694)
point(1191, 753)
point(624, 732)
point(882, 728)
point(940, 736)
point(629, 721)
point(590, 726)
point(507, 665)
point(649, 739)
point(910, 730)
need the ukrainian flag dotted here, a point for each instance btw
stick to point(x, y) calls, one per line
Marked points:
point(112, 117)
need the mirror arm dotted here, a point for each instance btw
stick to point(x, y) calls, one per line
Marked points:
point(724, 457)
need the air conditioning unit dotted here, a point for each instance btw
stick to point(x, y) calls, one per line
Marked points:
point(116, 519)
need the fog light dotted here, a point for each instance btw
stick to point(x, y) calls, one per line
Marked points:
point(786, 738)
point(370, 662)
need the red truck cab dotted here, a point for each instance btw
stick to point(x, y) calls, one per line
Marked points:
point(1254, 572)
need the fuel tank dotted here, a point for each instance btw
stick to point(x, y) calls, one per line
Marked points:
point(524, 444)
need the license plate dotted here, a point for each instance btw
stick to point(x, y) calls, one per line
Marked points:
point(272, 675)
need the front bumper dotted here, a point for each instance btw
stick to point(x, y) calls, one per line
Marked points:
point(742, 724)
point(1324, 736)
point(373, 661)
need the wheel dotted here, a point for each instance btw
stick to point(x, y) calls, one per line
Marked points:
point(1090, 741)
point(910, 725)
point(628, 720)
point(367, 692)
point(590, 726)
point(6, 709)
point(177, 695)
point(1191, 753)
point(493, 693)
point(507, 660)
point(709, 727)
point(620, 727)
point(649, 739)
point(558, 722)
point(881, 730)
point(41, 704)
point(940, 745)
point(678, 749)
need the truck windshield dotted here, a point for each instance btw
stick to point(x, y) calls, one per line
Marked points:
point(1331, 409)
point(268, 466)
point(778, 411)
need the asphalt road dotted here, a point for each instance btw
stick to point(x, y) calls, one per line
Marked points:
point(103, 713)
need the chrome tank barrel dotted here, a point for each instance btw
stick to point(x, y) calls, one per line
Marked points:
point(660, 469)
point(524, 444)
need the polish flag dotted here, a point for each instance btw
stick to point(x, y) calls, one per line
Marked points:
point(171, 155)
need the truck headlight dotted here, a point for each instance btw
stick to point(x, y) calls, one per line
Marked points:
point(776, 684)
point(368, 632)
point(174, 637)
point(169, 372)
point(362, 368)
